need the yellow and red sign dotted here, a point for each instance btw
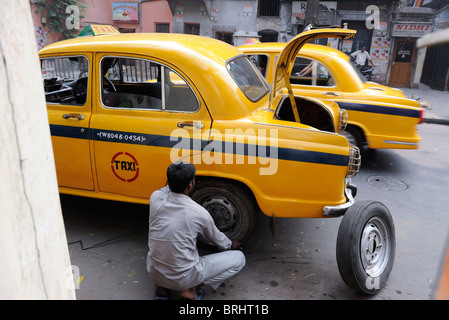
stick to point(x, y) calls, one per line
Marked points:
point(125, 12)
point(96, 29)
point(125, 166)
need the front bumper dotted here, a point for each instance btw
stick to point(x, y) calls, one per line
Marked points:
point(336, 211)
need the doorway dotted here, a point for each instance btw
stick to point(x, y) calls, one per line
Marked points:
point(362, 38)
point(402, 65)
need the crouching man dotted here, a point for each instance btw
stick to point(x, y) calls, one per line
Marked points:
point(175, 222)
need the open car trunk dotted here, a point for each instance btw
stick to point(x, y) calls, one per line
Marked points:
point(310, 112)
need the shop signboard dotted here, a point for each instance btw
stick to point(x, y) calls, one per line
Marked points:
point(411, 29)
point(299, 8)
point(125, 12)
point(96, 29)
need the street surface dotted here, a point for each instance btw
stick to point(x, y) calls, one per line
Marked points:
point(298, 261)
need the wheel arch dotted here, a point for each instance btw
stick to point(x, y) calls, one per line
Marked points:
point(236, 214)
point(360, 129)
point(200, 178)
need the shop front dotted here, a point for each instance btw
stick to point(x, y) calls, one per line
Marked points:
point(404, 63)
point(436, 65)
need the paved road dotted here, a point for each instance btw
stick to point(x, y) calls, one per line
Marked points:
point(298, 261)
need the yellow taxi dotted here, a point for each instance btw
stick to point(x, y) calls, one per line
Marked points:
point(123, 107)
point(379, 117)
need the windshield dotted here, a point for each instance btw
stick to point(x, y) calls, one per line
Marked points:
point(248, 78)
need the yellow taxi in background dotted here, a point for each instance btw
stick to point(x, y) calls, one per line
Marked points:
point(379, 117)
point(123, 107)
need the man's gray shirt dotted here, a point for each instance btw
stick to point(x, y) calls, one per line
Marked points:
point(174, 225)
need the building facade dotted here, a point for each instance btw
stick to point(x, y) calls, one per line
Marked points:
point(125, 15)
point(387, 28)
point(222, 20)
point(131, 16)
point(436, 64)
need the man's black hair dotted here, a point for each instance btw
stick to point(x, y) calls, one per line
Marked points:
point(179, 175)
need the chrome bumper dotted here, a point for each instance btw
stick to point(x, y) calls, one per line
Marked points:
point(336, 211)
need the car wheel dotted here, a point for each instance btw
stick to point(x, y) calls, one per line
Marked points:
point(354, 135)
point(366, 246)
point(233, 208)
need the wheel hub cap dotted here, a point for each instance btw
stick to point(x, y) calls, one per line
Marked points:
point(374, 248)
point(223, 212)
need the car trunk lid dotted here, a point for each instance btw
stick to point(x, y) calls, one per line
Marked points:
point(288, 55)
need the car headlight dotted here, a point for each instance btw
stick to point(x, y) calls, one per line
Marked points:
point(355, 161)
point(343, 121)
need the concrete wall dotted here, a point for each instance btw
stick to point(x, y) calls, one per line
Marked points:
point(42, 30)
point(100, 12)
point(155, 12)
point(34, 259)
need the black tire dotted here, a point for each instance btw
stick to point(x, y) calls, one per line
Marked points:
point(233, 208)
point(366, 246)
point(355, 136)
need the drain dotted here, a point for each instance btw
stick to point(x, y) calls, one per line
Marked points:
point(388, 183)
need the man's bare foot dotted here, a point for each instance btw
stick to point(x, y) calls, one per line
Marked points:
point(192, 294)
point(189, 294)
point(161, 291)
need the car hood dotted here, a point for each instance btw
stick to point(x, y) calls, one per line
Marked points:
point(288, 55)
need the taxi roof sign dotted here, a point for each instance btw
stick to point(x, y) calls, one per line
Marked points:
point(97, 29)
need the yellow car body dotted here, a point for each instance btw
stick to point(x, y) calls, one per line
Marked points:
point(113, 140)
point(441, 290)
point(378, 116)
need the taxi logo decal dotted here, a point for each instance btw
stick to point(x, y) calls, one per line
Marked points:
point(125, 166)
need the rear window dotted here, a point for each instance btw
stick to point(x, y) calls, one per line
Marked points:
point(248, 78)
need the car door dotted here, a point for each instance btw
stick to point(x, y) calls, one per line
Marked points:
point(67, 83)
point(147, 116)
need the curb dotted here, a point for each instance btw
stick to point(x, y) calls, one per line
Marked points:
point(436, 121)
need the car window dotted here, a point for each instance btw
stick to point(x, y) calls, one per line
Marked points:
point(260, 61)
point(311, 73)
point(143, 84)
point(249, 80)
point(65, 79)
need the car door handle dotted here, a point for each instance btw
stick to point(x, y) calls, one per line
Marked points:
point(196, 124)
point(331, 94)
point(73, 115)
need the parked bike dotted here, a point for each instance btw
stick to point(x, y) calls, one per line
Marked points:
point(366, 70)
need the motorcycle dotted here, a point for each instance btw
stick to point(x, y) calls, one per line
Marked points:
point(366, 70)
